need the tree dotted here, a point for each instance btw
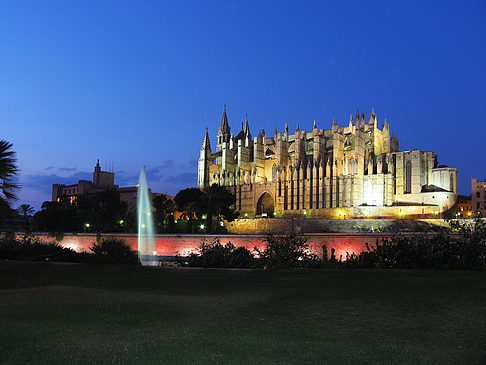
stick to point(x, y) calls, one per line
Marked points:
point(103, 211)
point(164, 210)
point(217, 202)
point(8, 173)
point(25, 210)
point(56, 217)
point(188, 202)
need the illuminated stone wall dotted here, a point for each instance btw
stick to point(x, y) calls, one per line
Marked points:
point(316, 226)
point(171, 245)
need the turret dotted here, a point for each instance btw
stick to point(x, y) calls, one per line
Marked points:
point(372, 119)
point(204, 162)
point(386, 137)
point(223, 131)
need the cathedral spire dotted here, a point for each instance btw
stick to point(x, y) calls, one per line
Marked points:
point(297, 128)
point(385, 125)
point(315, 125)
point(286, 131)
point(246, 127)
point(372, 119)
point(224, 126)
point(206, 143)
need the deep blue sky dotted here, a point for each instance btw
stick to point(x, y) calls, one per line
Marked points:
point(136, 82)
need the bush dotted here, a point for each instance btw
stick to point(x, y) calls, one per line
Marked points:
point(114, 251)
point(31, 249)
point(216, 255)
point(287, 251)
point(465, 250)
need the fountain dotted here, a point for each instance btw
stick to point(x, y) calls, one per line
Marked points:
point(146, 253)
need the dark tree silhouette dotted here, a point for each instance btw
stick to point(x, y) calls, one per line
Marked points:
point(164, 210)
point(25, 210)
point(8, 173)
point(217, 203)
point(188, 203)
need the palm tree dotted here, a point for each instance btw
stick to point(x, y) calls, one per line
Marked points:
point(8, 173)
point(217, 201)
point(25, 210)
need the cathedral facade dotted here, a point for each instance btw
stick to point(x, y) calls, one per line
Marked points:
point(350, 171)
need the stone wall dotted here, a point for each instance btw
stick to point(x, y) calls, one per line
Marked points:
point(171, 244)
point(310, 225)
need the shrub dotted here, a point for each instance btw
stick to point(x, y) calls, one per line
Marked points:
point(214, 254)
point(114, 251)
point(466, 250)
point(287, 251)
point(32, 249)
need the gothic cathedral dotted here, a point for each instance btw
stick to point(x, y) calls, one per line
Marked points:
point(351, 171)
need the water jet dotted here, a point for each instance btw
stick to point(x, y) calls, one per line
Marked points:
point(146, 247)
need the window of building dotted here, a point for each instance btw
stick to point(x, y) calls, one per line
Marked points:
point(408, 178)
point(478, 194)
point(424, 174)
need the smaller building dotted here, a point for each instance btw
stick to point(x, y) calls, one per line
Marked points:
point(478, 197)
point(102, 180)
point(464, 207)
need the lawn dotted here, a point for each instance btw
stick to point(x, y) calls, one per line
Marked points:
point(77, 313)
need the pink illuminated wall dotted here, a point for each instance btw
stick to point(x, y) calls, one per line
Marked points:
point(172, 244)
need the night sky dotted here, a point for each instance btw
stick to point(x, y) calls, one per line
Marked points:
point(136, 82)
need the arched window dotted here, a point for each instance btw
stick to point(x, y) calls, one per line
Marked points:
point(451, 186)
point(408, 177)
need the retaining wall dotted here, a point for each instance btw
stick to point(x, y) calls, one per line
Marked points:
point(311, 225)
point(172, 244)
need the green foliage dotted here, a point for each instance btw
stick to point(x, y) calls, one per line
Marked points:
point(462, 248)
point(102, 211)
point(56, 217)
point(215, 202)
point(214, 254)
point(164, 210)
point(31, 249)
point(187, 202)
point(114, 251)
point(287, 251)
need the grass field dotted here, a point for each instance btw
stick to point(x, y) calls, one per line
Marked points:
point(75, 313)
